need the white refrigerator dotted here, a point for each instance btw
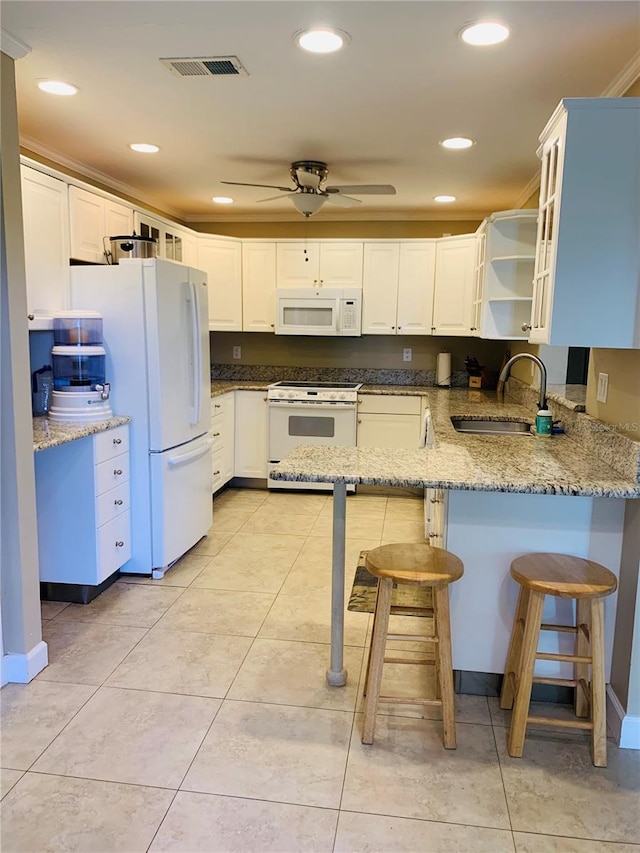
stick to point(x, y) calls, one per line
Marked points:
point(156, 336)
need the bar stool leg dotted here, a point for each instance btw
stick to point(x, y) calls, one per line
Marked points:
point(518, 727)
point(376, 657)
point(512, 666)
point(598, 699)
point(445, 664)
point(581, 670)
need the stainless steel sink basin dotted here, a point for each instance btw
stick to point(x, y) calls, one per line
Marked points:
point(490, 427)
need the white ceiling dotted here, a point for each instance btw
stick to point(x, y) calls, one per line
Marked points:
point(374, 112)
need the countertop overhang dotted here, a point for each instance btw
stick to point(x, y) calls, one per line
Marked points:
point(48, 433)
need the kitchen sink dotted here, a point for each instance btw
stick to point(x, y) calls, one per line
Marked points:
point(491, 427)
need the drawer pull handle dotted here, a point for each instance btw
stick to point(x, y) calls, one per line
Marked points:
point(217, 405)
point(118, 502)
point(119, 544)
point(435, 501)
point(215, 473)
point(216, 434)
point(433, 536)
point(117, 441)
point(117, 471)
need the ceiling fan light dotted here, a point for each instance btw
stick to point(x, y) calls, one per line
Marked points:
point(321, 40)
point(484, 33)
point(457, 143)
point(308, 203)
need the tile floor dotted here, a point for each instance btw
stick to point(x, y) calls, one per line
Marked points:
point(191, 714)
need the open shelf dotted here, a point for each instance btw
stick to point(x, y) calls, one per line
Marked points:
point(502, 258)
point(510, 299)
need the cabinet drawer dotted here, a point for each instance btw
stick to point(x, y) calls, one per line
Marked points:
point(112, 503)
point(217, 463)
point(111, 473)
point(389, 404)
point(217, 406)
point(114, 545)
point(110, 443)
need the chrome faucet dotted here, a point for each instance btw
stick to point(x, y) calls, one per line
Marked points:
point(506, 370)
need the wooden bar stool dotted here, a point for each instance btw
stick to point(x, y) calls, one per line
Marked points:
point(425, 566)
point(566, 577)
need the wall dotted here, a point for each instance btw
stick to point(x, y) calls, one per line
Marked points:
point(622, 408)
point(19, 572)
point(358, 229)
point(372, 351)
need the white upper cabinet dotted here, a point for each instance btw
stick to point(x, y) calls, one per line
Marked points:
point(222, 261)
point(258, 286)
point(505, 274)
point(93, 219)
point(45, 211)
point(455, 264)
point(189, 248)
point(312, 264)
point(585, 289)
point(397, 288)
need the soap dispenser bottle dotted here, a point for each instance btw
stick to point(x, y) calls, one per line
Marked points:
point(544, 422)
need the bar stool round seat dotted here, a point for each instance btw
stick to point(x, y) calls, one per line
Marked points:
point(422, 565)
point(563, 576)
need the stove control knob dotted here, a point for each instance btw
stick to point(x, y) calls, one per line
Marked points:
point(332, 396)
point(342, 396)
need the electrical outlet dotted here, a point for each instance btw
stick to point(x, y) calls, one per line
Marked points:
point(237, 352)
point(407, 354)
point(603, 387)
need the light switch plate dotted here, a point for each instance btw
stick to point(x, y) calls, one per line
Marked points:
point(407, 354)
point(237, 352)
point(603, 387)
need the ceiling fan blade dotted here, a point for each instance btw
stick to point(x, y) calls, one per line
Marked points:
point(343, 200)
point(271, 198)
point(309, 180)
point(364, 189)
point(267, 186)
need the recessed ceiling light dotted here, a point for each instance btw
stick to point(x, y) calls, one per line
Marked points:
point(57, 87)
point(444, 198)
point(222, 199)
point(485, 33)
point(457, 142)
point(321, 40)
point(144, 148)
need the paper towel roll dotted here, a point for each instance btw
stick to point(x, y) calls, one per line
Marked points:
point(443, 369)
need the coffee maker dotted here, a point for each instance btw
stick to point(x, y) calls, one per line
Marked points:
point(80, 392)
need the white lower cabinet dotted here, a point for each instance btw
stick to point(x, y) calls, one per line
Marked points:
point(223, 437)
point(83, 503)
point(388, 420)
point(251, 434)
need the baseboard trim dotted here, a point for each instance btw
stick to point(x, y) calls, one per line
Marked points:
point(22, 668)
point(624, 727)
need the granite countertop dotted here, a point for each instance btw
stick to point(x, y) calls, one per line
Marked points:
point(222, 386)
point(510, 463)
point(48, 433)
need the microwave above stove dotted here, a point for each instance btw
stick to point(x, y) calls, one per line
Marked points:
point(325, 311)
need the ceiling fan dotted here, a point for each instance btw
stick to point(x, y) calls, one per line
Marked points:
point(310, 191)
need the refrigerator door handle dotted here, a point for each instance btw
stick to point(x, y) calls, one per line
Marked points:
point(183, 458)
point(197, 354)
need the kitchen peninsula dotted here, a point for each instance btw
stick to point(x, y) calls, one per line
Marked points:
point(505, 495)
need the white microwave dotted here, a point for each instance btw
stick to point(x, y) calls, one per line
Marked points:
point(328, 311)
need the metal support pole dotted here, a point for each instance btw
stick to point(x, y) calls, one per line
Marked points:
point(337, 674)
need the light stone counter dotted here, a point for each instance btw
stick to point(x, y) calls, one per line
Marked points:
point(48, 433)
point(556, 465)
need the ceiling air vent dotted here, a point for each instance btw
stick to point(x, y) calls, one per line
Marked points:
point(205, 66)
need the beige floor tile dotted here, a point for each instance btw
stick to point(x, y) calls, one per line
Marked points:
point(86, 652)
point(363, 526)
point(307, 618)
point(133, 605)
point(288, 673)
point(204, 823)
point(402, 531)
point(211, 544)
point(131, 736)
point(365, 833)
point(554, 788)
point(274, 752)
point(295, 503)
point(32, 715)
point(268, 519)
point(242, 499)
point(256, 563)
point(179, 662)
point(227, 519)
point(408, 773)
point(357, 509)
point(213, 611)
point(181, 574)
point(50, 814)
point(49, 609)
point(8, 779)
point(530, 843)
point(312, 569)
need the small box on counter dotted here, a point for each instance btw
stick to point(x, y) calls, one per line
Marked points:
point(475, 382)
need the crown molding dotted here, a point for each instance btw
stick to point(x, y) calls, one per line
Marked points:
point(13, 46)
point(332, 217)
point(96, 175)
point(528, 190)
point(623, 81)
